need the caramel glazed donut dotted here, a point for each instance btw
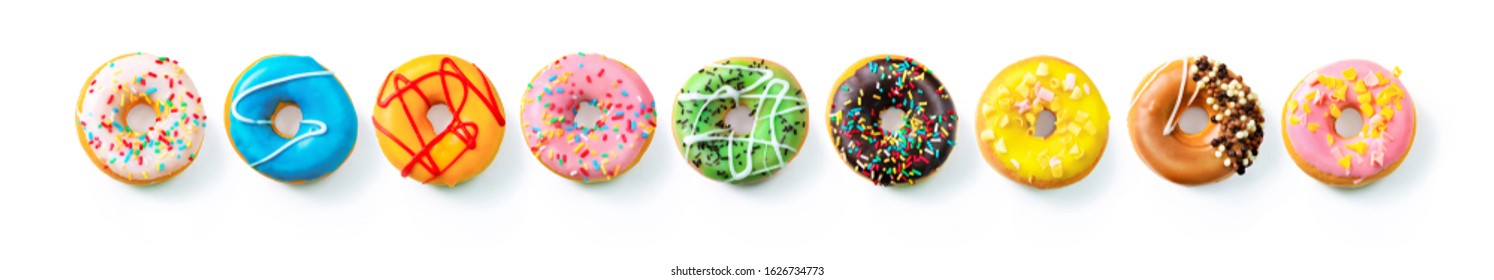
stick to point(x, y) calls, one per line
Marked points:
point(1228, 144)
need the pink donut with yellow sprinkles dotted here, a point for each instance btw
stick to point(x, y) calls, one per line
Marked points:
point(587, 152)
point(1384, 103)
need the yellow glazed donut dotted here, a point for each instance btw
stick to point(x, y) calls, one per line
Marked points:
point(470, 140)
point(1009, 110)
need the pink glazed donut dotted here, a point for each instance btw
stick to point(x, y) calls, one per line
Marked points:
point(1376, 150)
point(587, 152)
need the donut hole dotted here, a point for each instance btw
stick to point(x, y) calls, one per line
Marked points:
point(740, 121)
point(891, 119)
point(587, 115)
point(1349, 122)
point(1044, 124)
point(1193, 120)
point(287, 119)
point(440, 117)
point(139, 118)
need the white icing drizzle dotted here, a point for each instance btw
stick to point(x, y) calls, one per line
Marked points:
point(1182, 86)
point(1195, 88)
point(321, 127)
point(1149, 79)
point(776, 94)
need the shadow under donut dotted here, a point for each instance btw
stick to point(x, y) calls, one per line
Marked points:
point(501, 175)
point(798, 175)
point(205, 172)
point(1087, 189)
point(1410, 174)
point(647, 175)
point(963, 161)
point(354, 176)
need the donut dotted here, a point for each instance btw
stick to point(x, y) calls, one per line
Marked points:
point(1008, 115)
point(775, 102)
point(1226, 146)
point(406, 136)
point(903, 156)
point(1389, 115)
point(329, 125)
point(587, 152)
point(157, 153)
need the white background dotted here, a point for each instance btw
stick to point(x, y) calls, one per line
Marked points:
point(61, 218)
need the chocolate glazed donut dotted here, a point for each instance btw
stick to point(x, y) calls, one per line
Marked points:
point(1228, 143)
point(897, 157)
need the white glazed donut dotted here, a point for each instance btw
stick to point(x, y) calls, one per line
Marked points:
point(159, 152)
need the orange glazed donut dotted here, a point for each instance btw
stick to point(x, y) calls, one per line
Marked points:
point(469, 142)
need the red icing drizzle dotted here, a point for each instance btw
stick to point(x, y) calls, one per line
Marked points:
point(463, 130)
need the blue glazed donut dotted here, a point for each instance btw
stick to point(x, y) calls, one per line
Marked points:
point(329, 124)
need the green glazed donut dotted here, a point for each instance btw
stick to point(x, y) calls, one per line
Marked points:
point(776, 103)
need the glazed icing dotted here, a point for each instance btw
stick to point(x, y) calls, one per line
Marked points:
point(593, 152)
point(169, 145)
point(1009, 111)
point(1382, 100)
point(470, 141)
point(329, 122)
point(1228, 143)
point(905, 155)
point(777, 106)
